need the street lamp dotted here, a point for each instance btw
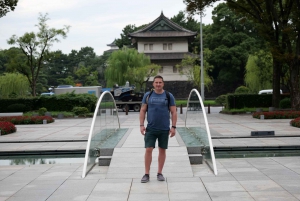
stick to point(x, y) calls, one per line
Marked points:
point(201, 57)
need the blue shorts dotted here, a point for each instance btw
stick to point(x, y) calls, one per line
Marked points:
point(152, 135)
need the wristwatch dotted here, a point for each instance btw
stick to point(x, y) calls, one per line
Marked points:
point(174, 127)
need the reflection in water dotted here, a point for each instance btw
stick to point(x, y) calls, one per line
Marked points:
point(41, 159)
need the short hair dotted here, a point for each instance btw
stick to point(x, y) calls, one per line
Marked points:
point(158, 76)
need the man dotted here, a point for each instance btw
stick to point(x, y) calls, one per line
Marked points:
point(158, 104)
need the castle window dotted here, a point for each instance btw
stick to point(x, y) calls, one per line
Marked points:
point(161, 69)
point(170, 46)
point(165, 46)
point(145, 46)
point(174, 69)
point(150, 46)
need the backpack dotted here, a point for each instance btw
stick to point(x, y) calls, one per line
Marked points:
point(167, 95)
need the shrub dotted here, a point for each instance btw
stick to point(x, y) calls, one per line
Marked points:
point(7, 127)
point(16, 108)
point(242, 90)
point(221, 100)
point(277, 114)
point(27, 119)
point(42, 111)
point(80, 111)
point(285, 103)
point(295, 122)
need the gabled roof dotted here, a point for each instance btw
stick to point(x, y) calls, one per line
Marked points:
point(162, 27)
point(113, 43)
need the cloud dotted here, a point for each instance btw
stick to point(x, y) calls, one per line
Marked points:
point(94, 23)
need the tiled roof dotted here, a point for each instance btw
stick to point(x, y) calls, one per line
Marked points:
point(172, 30)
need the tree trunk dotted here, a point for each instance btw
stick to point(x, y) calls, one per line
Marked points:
point(276, 83)
point(294, 85)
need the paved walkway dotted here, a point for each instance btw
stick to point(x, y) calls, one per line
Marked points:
point(268, 178)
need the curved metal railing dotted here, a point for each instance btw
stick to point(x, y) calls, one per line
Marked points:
point(199, 129)
point(105, 122)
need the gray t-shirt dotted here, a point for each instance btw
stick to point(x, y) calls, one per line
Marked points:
point(158, 115)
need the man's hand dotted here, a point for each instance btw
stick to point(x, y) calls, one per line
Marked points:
point(143, 130)
point(172, 132)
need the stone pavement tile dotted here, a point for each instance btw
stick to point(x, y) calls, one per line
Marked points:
point(54, 176)
point(191, 196)
point(219, 186)
point(154, 186)
point(42, 193)
point(148, 196)
point(235, 163)
point(250, 177)
point(101, 196)
point(230, 196)
point(3, 198)
point(272, 196)
point(113, 186)
point(216, 179)
point(27, 198)
point(261, 185)
point(68, 195)
point(291, 186)
point(75, 185)
point(186, 187)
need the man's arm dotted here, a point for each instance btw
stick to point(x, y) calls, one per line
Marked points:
point(142, 118)
point(174, 120)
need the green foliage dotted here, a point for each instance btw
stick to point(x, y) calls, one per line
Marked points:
point(128, 65)
point(42, 111)
point(285, 103)
point(7, 6)
point(242, 90)
point(13, 85)
point(190, 67)
point(35, 47)
point(221, 100)
point(16, 108)
point(259, 71)
point(80, 111)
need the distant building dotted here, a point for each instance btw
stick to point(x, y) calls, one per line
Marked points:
point(113, 47)
point(166, 43)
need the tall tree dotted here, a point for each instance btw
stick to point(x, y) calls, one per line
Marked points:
point(231, 42)
point(126, 65)
point(259, 71)
point(7, 6)
point(35, 46)
point(278, 22)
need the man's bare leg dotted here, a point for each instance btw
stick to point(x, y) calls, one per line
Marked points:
point(148, 159)
point(161, 159)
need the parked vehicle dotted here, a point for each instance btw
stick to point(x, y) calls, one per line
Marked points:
point(267, 91)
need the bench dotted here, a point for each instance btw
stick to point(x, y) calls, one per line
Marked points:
point(10, 114)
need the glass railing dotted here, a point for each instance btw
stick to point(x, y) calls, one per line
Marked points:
point(104, 124)
point(196, 126)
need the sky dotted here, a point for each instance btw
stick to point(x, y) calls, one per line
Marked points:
point(94, 23)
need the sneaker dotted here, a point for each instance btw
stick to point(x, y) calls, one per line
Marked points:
point(145, 178)
point(160, 177)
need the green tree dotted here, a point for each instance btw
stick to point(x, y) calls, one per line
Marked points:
point(192, 25)
point(278, 23)
point(190, 67)
point(231, 42)
point(7, 6)
point(124, 64)
point(13, 85)
point(35, 46)
point(259, 71)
